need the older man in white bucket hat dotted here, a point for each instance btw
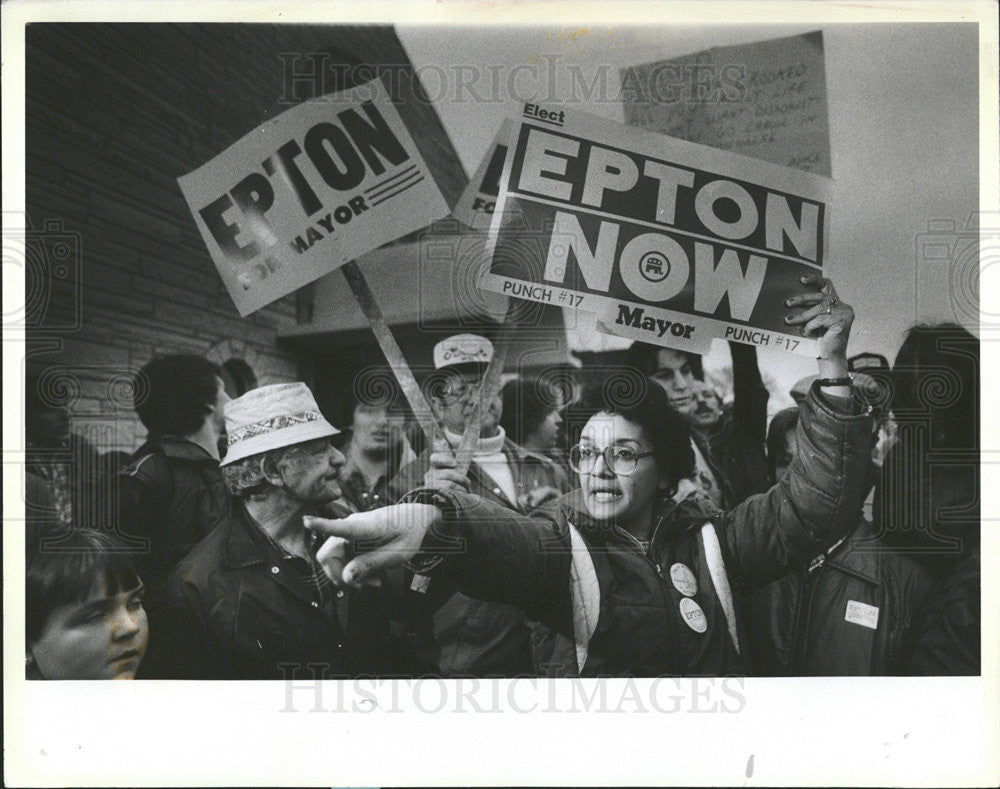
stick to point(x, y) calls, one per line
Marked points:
point(251, 601)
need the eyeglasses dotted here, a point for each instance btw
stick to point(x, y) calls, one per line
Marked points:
point(621, 460)
point(459, 390)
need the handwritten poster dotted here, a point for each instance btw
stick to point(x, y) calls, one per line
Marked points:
point(766, 100)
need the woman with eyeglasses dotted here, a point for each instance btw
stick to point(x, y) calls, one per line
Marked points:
point(623, 580)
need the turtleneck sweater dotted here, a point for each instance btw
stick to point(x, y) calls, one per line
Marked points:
point(487, 453)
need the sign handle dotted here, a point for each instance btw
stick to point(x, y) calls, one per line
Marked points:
point(390, 348)
point(487, 391)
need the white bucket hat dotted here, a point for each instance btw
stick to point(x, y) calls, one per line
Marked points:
point(272, 417)
point(462, 349)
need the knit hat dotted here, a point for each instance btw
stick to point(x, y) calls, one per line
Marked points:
point(272, 417)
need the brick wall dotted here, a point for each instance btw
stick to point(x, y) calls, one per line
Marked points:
point(117, 270)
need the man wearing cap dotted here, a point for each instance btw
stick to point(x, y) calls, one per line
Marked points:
point(250, 601)
point(472, 638)
point(501, 471)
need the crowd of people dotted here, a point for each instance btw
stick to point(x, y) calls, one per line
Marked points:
point(649, 529)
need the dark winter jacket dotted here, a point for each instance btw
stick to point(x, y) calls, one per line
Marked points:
point(949, 642)
point(853, 612)
point(927, 508)
point(236, 608)
point(170, 495)
point(452, 634)
point(668, 610)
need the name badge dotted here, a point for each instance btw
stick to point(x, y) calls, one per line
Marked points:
point(420, 583)
point(862, 614)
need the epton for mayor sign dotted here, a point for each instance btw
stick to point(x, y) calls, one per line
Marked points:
point(310, 190)
point(665, 241)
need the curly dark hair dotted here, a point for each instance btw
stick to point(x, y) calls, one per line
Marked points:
point(173, 394)
point(644, 403)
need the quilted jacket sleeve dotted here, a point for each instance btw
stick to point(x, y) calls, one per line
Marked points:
point(817, 502)
point(494, 554)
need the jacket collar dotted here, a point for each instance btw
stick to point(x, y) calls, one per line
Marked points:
point(669, 520)
point(523, 454)
point(859, 555)
point(181, 449)
point(245, 544)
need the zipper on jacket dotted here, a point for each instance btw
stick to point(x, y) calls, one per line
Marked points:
point(652, 542)
point(643, 551)
point(800, 635)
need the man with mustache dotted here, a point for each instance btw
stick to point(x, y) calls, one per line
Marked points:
point(501, 471)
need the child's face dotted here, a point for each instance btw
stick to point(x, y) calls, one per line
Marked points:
point(102, 637)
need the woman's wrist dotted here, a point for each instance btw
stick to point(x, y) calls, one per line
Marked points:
point(834, 368)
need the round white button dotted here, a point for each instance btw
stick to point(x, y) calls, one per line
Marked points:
point(275, 570)
point(693, 616)
point(683, 579)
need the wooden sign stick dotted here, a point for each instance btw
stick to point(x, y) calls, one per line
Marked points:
point(489, 389)
point(393, 354)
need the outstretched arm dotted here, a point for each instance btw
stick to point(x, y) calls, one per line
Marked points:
point(488, 551)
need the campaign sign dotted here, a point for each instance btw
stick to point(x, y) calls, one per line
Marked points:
point(665, 241)
point(317, 186)
point(478, 202)
point(766, 99)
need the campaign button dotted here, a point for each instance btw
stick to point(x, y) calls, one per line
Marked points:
point(693, 616)
point(683, 579)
